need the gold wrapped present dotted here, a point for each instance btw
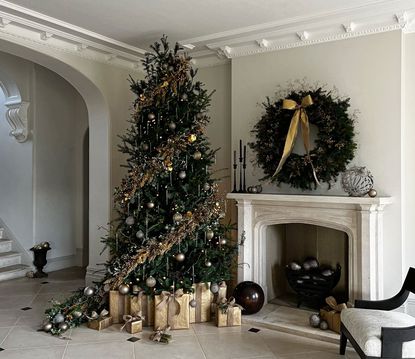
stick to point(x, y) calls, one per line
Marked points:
point(101, 321)
point(219, 296)
point(119, 305)
point(204, 298)
point(228, 314)
point(133, 324)
point(172, 310)
point(143, 305)
point(331, 313)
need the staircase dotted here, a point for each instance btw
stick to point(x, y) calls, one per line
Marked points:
point(10, 261)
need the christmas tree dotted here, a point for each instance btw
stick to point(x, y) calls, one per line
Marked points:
point(169, 232)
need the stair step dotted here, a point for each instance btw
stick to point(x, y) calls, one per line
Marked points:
point(13, 271)
point(9, 258)
point(5, 245)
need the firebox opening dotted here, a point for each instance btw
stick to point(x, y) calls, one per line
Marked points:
point(295, 242)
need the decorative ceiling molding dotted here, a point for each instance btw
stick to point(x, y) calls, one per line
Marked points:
point(16, 116)
point(25, 26)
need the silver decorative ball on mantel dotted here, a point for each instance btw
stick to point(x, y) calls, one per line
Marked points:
point(357, 181)
point(372, 193)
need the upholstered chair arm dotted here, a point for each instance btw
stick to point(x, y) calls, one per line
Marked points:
point(393, 339)
point(386, 304)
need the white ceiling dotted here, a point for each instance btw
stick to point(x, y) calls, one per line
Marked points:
point(141, 22)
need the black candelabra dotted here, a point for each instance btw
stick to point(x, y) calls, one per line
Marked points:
point(242, 170)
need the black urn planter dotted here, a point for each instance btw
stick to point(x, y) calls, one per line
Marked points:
point(39, 252)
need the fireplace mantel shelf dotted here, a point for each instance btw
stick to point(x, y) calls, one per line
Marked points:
point(316, 199)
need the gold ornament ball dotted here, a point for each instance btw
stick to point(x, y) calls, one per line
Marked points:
point(47, 326)
point(197, 155)
point(372, 193)
point(189, 214)
point(124, 289)
point(193, 303)
point(150, 205)
point(77, 314)
point(182, 174)
point(180, 257)
point(210, 234)
point(222, 241)
point(177, 217)
point(89, 291)
point(151, 282)
point(192, 138)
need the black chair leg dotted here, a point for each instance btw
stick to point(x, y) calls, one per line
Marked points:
point(343, 343)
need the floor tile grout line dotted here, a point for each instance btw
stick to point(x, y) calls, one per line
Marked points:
point(7, 335)
point(64, 351)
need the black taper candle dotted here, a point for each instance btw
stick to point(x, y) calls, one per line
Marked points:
point(240, 166)
point(235, 166)
point(244, 167)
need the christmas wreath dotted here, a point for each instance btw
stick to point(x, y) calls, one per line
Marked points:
point(277, 130)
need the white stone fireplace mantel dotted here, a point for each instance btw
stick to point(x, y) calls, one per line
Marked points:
point(361, 218)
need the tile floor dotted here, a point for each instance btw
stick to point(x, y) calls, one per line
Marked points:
point(19, 338)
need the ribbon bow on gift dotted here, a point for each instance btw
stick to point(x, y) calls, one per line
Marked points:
point(127, 318)
point(160, 335)
point(230, 303)
point(300, 116)
point(95, 315)
point(332, 302)
point(170, 299)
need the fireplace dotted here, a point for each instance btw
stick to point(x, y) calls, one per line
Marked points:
point(359, 220)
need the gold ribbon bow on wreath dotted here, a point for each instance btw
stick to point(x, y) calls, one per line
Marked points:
point(170, 299)
point(300, 116)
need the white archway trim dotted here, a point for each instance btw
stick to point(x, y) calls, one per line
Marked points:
point(16, 116)
point(360, 218)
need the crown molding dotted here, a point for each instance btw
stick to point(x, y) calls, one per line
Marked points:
point(28, 27)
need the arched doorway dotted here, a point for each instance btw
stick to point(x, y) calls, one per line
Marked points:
point(99, 143)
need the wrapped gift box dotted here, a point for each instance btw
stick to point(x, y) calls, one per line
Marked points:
point(133, 324)
point(332, 317)
point(144, 306)
point(100, 323)
point(172, 310)
point(119, 305)
point(232, 317)
point(204, 299)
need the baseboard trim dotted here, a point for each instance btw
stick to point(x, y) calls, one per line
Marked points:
point(63, 262)
point(94, 274)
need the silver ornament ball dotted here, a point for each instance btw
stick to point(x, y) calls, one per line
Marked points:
point(151, 282)
point(193, 303)
point(210, 234)
point(47, 326)
point(129, 221)
point(124, 289)
point(315, 320)
point(144, 146)
point(172, 126)
point(139, 234)
point(208, 264)
point(177, 217)
point(89, 291)
point(151, 116)
point(324, 325)
point(222, 241)
point(59, 318)
point(214, 288)
point(184, 97)
point(182, 174)
point(63, 326)
point(150, 205)
point(180, 257)
point(372, 193)
point(206, 186)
